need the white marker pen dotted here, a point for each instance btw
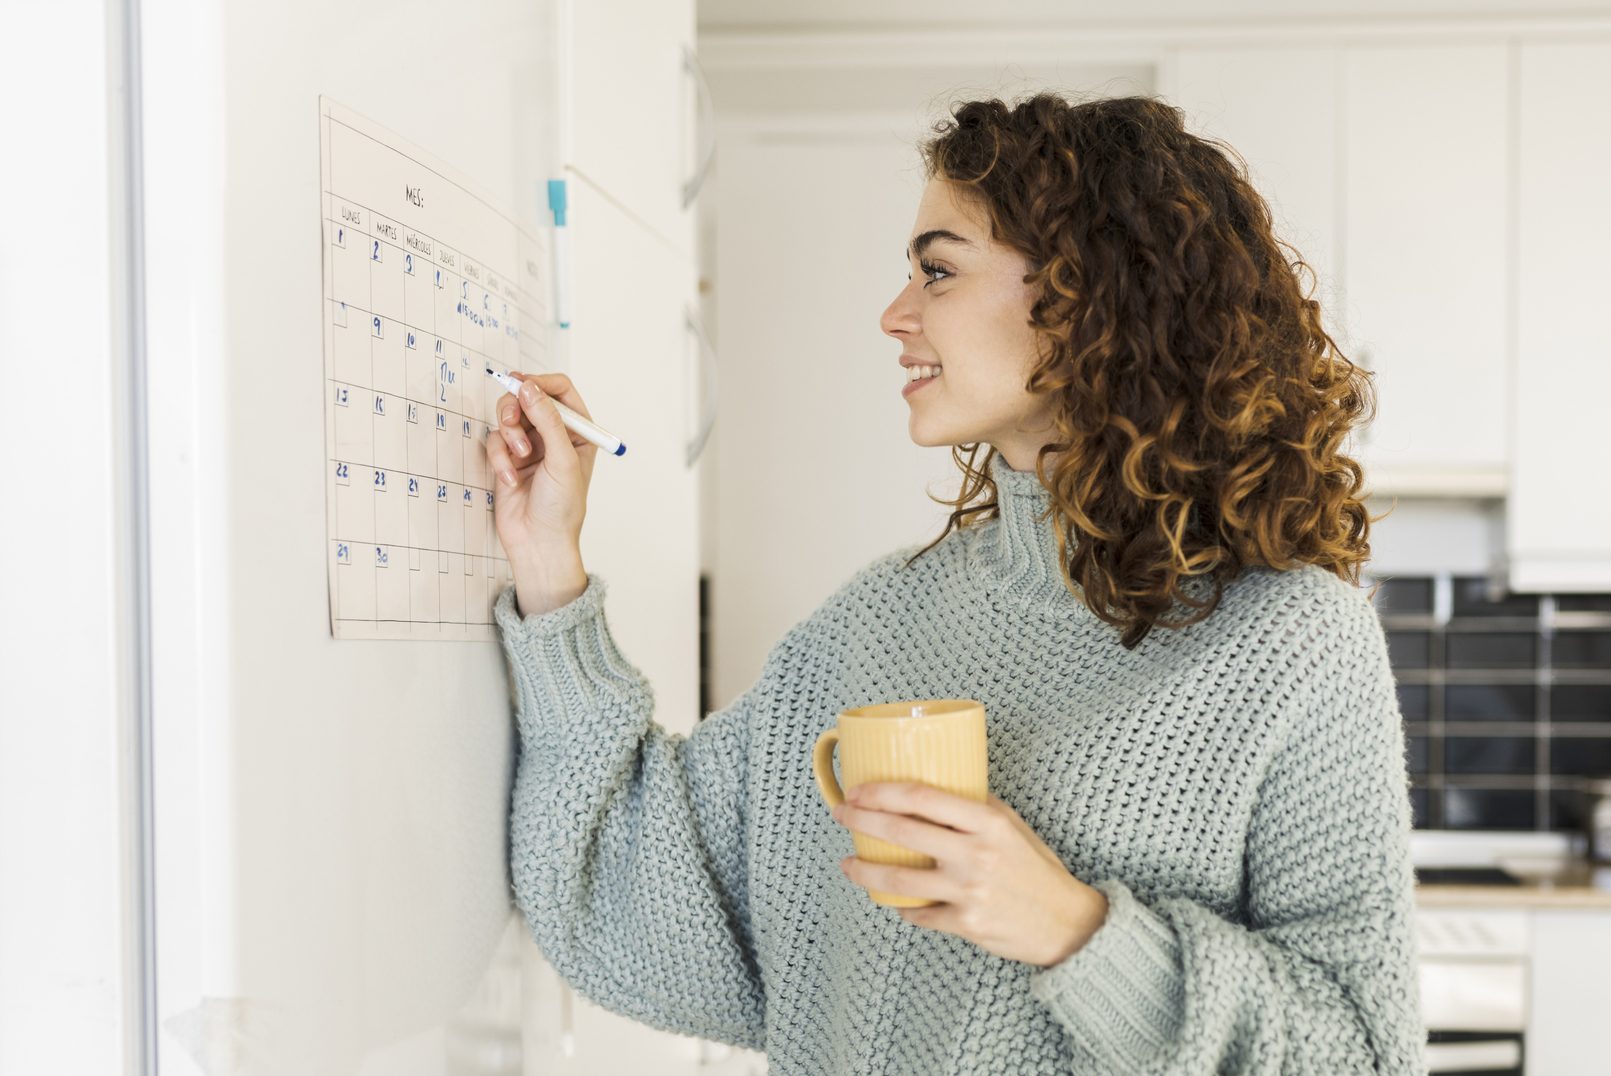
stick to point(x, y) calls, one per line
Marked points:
point(562, 253)
point(606, 440)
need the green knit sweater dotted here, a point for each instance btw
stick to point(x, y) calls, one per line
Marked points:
point(1236, 789)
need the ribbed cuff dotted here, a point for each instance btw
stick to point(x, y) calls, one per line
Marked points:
point(567, 666)
point(1122, 995)
point(507, 612)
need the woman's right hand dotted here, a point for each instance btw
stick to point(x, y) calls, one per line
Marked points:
point(541, 474)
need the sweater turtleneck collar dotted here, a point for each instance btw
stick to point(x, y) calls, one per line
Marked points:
point(1019, 548)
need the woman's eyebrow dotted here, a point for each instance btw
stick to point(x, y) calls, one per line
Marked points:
point(921, 243)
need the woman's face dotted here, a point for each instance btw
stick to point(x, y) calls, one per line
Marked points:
point(966, 310)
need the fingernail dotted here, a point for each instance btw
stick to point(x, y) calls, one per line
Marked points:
point(508, 476)
point(529, 392)
point(523, 445)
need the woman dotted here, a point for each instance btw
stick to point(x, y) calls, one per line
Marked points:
point(1195, 857)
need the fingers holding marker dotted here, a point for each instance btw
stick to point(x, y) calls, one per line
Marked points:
point(550, 428)
point(530, 399)
point(512, 426)
point(560, 387)
point(500, 461)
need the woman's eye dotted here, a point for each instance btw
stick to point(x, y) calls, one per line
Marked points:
point(930, 269)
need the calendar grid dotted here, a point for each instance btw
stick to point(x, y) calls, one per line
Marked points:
point(413, 565)
point(519, 309)
point(460, 415)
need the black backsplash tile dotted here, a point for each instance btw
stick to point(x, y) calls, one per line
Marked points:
point(1416, 754)
point(1505, 697)
point(1581, 650)
point(1489, 808)
point(1410, 595)
point(1415, 701)
point(1489, 754)
point(1491, 650)
point(1472, 598)
point(1580, 756)
point(1580, 702)
point(1409, 649)
point(1420, 807)
point(1583, 603)
point(1490, 702)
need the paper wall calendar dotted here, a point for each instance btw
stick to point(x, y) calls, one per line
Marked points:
point(426, 282)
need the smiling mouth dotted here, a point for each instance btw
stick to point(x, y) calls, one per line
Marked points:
point(916, 383)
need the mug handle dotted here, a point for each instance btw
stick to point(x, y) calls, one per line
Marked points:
point(822, 767)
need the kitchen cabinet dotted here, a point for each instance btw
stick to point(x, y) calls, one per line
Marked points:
point(1496, 960)
point(1558, 523)
point(1288, 139)
point(1566, 1007)
point(635, 98)
point(1402, 218)
point(1425, 201)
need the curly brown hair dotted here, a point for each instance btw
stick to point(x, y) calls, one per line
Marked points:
point(1200, 405)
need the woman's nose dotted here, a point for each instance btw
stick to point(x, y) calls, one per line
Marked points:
point(900, 316)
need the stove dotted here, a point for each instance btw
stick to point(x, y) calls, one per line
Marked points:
point(1465, 876)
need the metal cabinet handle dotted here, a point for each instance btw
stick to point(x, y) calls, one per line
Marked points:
point(708, 394)
point(707, 123)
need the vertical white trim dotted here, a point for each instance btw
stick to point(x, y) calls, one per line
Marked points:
point(132, 534)
point(1512, 251)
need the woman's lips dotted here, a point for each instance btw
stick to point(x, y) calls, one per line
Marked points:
point(912, 386)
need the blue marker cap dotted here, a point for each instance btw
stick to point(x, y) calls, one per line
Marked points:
point(556, 201)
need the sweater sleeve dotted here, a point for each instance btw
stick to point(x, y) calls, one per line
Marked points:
point(628, 842)
point(1322, 978)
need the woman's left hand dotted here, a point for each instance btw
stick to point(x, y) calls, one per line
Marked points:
point(998, 884)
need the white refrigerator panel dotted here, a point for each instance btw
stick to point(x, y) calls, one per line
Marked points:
point(330, 814)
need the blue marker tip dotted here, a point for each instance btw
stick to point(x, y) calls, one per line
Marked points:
point(621, 450)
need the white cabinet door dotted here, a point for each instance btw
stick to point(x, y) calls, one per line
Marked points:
point(1424, 255)
point(632, 107)
point(1558, 520)
point(1278, 109)
point(1566, 1008)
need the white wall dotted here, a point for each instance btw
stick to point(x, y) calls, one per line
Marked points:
point(61, 686)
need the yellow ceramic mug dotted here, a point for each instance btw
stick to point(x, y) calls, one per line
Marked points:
point(938, 742)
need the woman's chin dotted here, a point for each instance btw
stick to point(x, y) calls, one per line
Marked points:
point(926, 435)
